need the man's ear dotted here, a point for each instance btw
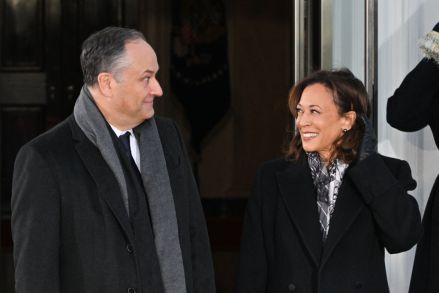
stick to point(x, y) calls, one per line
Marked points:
point(349, 119)
point(104, 82)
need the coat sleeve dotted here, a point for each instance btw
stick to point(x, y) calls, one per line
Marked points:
point(35, 224)
point(253, 271)
point(384, 189)
point(202, 265)
point(411, 106)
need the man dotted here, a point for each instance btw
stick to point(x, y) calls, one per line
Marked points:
point(106, 201)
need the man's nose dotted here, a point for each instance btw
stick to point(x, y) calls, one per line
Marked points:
point(156, 89)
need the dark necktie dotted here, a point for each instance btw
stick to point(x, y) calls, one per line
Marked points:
point(125, 140)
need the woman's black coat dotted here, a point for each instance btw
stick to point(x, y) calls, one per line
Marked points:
point(413, 106)
point(281, 248)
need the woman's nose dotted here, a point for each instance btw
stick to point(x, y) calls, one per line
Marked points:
point(302, 120)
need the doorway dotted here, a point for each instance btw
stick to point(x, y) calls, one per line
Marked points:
point(40, 77)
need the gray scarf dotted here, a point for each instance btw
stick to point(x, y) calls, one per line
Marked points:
point(155, 180)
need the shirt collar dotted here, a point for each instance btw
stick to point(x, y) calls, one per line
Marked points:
point(120, 132)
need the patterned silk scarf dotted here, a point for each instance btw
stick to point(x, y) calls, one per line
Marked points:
point(327, 181)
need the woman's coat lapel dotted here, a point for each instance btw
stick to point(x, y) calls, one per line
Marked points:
point(298, 193)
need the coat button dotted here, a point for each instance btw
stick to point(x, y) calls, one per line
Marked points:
point(292, 287)
point(130, 248)
point(132, 290)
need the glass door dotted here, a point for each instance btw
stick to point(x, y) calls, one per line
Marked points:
point(349, 39)
point(337, 33)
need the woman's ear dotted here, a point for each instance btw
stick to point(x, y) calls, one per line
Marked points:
point(349, 119)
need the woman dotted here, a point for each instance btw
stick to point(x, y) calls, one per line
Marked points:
point(319, 220)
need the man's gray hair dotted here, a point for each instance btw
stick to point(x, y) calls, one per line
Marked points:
point(104, 51)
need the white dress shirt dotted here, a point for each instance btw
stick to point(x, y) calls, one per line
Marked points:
point(134, 145)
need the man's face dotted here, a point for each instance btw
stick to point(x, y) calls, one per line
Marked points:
point(135, 86)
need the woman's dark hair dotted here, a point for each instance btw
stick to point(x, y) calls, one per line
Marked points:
point(104, 51)
point(349, 94)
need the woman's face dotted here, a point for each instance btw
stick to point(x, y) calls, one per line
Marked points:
point(319, 122)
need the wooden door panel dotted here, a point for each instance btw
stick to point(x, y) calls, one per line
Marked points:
point(21, 35)
point(40, 77)
point(22, 88)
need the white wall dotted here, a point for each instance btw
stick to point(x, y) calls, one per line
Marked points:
point(401, 24)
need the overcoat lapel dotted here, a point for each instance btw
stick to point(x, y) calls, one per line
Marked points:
point(106, 182)
point(297, 190)
point(347, 208)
